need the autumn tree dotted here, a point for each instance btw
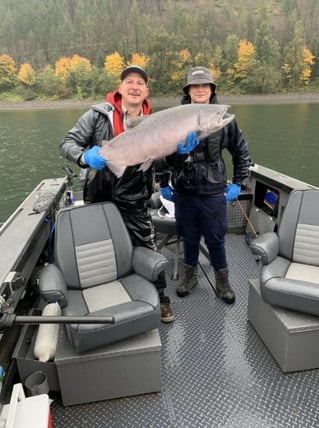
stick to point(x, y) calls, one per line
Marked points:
point(62, 68)
point(27, 75)
point(246, 54)
point(7, 72)
point(182, 64)
point(241, 74)
point(114, 65)
point(79, 77)
point(138, 59)
point(308, 61)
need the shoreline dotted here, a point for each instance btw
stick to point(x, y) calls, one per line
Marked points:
point(167, 101)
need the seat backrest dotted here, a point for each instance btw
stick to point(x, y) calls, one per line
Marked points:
point(299, 228)
point(92, 245)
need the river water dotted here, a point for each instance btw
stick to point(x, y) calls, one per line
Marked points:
point(284, 137)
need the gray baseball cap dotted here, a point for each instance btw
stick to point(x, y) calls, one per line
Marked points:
point(198, 76)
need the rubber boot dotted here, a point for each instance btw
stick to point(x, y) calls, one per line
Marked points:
point(189, 282)
point(224, 290)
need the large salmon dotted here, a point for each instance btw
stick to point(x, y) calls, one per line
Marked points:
point(157, 135)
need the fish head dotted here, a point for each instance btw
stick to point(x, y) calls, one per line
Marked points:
point(210, 122)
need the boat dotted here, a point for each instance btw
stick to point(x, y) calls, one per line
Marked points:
point(216, 369)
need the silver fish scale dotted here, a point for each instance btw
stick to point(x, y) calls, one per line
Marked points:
point(216, 371)
point(159, 133)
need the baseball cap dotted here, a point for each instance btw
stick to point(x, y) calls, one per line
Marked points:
point(134, 69)
point(198, 76)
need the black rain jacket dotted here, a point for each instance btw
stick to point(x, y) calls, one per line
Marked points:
point(203, 171)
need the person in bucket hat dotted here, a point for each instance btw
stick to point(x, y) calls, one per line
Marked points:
point(200, 191)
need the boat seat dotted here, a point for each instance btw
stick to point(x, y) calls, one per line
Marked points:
point(98, 272)
point(290, 274)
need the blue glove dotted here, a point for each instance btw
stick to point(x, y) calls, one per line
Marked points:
point(232, 192)
point(167, 193)
point(191, 142)
point(93, 158)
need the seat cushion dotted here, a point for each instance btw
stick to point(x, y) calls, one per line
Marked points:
point(132, 301)
point(291, 285)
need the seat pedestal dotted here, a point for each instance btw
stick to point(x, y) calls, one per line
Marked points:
point(291, 337)
point(129, 367)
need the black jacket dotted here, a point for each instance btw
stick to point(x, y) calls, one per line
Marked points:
point(203, 171)
point(129, 192)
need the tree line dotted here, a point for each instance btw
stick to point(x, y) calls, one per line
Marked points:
point(77, 48)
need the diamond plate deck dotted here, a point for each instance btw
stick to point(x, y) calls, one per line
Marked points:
point(216, 371)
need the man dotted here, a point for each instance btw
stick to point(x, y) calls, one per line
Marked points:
point(199, 188)
point(131, 191)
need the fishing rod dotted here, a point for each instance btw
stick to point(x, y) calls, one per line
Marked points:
point(255, 236)
point(208, 280)
point(246, 217)
point(8, 319)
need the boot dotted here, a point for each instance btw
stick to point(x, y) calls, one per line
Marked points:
point(189, 282)
point(224, 290)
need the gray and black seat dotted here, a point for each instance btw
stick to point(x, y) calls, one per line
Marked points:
point(290, 275)
point(97, 272)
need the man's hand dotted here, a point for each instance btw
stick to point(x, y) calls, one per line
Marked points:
point(93, 159)
point(167, 193)
point(191, 142)
point(232, 192)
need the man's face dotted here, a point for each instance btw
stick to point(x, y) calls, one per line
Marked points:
point(200, 93)
point(133, 90)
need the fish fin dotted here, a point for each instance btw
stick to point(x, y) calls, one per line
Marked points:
point(146, 165)
point(90, 174)
point(134, 121)
point(117, 169)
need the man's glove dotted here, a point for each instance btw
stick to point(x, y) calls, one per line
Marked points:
point(191, 142)
point(232, 192)
point(167, 193)
point(93, 158)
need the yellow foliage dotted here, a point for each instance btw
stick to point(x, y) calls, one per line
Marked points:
point(180, 61)
point(185, 54)
point(139, 59)
point(79, 63)
point(305, 76)
point(114, 64)
point(7, 71)
point(245, 54)
point(245, 51)
point(308, 56)
point(26, 74)
point(215, 72)
point(7, 63)
point(62, 67)
point(287, 70)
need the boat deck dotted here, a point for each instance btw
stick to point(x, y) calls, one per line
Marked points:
point(216, 371)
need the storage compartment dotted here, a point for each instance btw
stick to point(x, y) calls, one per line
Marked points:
point(291, 337)
point(27, 363)
point(129, 367)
